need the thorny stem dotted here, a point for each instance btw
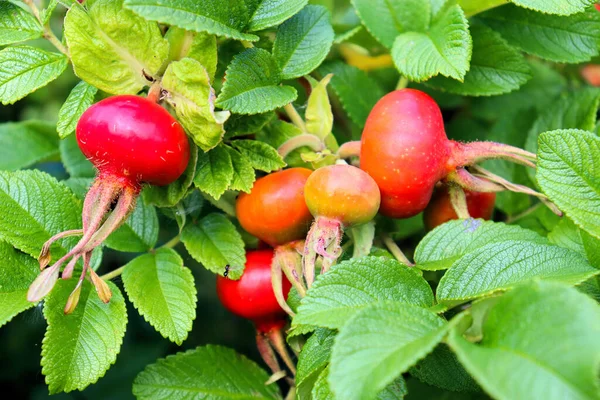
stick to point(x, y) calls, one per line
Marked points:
point(294, 116)
point(48, 34)
point(395, 250)
point(305, 139)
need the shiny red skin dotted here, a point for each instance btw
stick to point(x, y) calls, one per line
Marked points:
point(275, 211)
point(440, 210)
point(344, 193)
point(134, 139)
point(252, 296)
point(405, 149)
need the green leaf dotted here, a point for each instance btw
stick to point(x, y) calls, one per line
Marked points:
point(252, 84)
point(312, 360)
point(214, 172)
point(570, 39)
point(394, 391)
point(79, 348)
point(80, 98)
point(193, 98)
point(566, 234)
point(34, 207)
point(347, 81)
point(17, 272)
point(362, 236)
point(513, 362)
point(441, 247)
point(25, 69)
point(201, 47)
point(205, 372)
point(273, 12)
point(214, 242)
point(385, 19)
point(243, 173)
point(76, 164)
point(441, 368)
point(46, 13)
point(303, 41)
point(318, 115)
point(22, 144)
point(216, 17)
point(112, 48)
point(378, 344)
point(243, 125)
point(170, 195)
point(444, 49)
point(163, 291)
point(352, 285)
point(260, 155)
point(574, 110)
point(496, 67)
point(503, 265)
point(559, 7)
point(278, 132)
point(567, 173)
point(139, 232)
point(17, 25)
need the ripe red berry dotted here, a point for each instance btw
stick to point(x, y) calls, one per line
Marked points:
point(274, 211)
point(130, 140)
point(252, 296)
point(591, 74)
point(440, 210)
point(405, 149)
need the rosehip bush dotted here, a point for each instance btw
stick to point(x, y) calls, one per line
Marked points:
point(300, 199)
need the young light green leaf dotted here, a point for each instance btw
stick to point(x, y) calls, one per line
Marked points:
point(568, 174)
point(303, 41)
point(352, 285)
point(504, 265)
point(204, 372)
point(17, 25)
point(441, 368)
point(193, 98)
point(46, 13)
point(362, 236)
point(198, 46)
point(380, 343)
point(260, 155)
point(313, 359)
point(496, 67)
point(347, 81)
point(214, 171)
point(33, 207)
point(318, 115)
point(559, 7)
point(25, 69)
point(227, 19)
point(17, 272)
point(387, 19)
point(569, 39)
point(243, 173)
point(215, 242)
point(444, 49)
point(22, 144)
point(170, 195)
point(252, 84)
point(512, 362)
point(139, 233)
point(163, 292)
point(76, 164)
point(441, 247)
point(79, 348)
point(273, 12)
point(80, 98)
point(113, 49)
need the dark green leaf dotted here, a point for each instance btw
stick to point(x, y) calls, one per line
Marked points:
point(560, 7)
point(273, 12)
point(76, 164)
point(139, 232)
point(243, 173)
point(22, 144)
point(260, 155)
point(214, 171)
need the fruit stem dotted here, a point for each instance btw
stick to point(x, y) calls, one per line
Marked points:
point(395, 250)
point(113, 274)
point(466, 154)
point(154, 93)
point(349, 149)
point(295, 117)
point(276, 339)
point(305, 139)
point(402, 82)
point(458, 199)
